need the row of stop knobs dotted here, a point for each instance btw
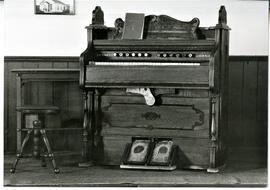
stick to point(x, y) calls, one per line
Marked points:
point(132, 54)
point(190, 55)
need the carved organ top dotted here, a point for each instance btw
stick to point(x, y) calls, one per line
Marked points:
point(172, 53)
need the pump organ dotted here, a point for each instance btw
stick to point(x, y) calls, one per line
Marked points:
point(182, 66)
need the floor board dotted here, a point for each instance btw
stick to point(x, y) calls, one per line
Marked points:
point(245, 167)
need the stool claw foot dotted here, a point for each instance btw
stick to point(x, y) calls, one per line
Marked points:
point(12, 170)
point(56, 170)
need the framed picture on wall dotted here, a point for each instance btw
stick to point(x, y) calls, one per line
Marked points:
point(55, 7)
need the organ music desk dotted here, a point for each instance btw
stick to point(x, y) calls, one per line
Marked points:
point(170, 83)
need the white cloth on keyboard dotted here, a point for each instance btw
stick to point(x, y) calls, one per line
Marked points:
point(146, 92)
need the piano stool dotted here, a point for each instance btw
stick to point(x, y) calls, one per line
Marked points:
point(37, 129)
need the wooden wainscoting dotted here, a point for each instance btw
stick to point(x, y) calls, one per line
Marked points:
point(67, 96)
point(248, 84)
point(248, 77)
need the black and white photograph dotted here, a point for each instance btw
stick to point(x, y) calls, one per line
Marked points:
point(62, 7)
point(135, 93)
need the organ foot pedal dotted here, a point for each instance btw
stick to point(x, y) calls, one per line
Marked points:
point(149, 154)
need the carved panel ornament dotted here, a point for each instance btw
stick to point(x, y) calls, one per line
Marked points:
point(119, 26)
point(165, 116)
point(169, 26)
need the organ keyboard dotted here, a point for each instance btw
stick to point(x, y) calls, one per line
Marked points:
point(171, 84)
point(146, 64)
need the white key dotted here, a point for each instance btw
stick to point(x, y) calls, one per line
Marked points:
point(146, 64)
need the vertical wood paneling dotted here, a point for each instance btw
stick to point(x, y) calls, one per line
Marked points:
point(31, 89)
point(235, 102)
point(60, 99)
point(45, 88)
point(262, 103)
point(6, 108)
point(45, 97)
point(11, 105)
point(75, 111)
point(247, 102)
point(44, 93)
point(60, 92)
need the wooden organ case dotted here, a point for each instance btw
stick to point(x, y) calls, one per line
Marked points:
point(183, 66)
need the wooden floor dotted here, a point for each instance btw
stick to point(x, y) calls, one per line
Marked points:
point(245, 167)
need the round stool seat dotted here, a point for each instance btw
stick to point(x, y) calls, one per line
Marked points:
point(36, 109)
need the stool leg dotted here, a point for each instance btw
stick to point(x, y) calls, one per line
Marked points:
point(18, 156)
point(42, 158)
point(43, 162)
point(46, 141)
point(36, 142)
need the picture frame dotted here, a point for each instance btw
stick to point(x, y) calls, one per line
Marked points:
point(162, 152)
point(54, 7)
point(139, 151)
point(149, 153)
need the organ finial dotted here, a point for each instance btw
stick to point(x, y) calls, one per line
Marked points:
point(222, 17)
point(98, 16)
